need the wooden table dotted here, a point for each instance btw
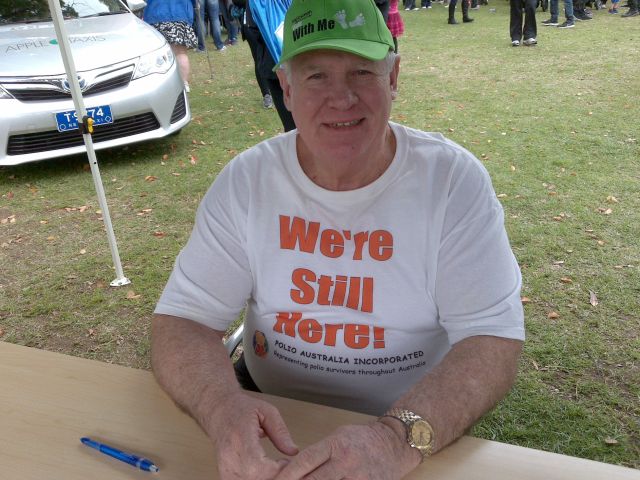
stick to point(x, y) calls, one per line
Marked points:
point(48, 401)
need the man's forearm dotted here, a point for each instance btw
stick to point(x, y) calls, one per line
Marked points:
point(472, 378)
point(191, 364)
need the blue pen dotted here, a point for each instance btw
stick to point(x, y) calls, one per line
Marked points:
point(138, 462)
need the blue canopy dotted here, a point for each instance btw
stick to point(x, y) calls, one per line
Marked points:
point(269, 16)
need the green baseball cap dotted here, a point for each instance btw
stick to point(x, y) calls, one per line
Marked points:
point(353, 26)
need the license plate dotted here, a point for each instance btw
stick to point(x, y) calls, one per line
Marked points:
point(69, 120)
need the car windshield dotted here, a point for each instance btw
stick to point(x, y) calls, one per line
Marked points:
point(30, 11)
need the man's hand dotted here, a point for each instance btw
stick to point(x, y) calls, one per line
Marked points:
point(193, 366)
point(239, 423)
point(355, 452)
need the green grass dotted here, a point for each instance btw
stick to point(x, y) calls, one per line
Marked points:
point(556, 126)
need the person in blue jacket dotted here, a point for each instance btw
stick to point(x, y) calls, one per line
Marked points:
point(174, 20)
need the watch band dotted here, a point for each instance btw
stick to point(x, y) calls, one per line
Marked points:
point(405, 416)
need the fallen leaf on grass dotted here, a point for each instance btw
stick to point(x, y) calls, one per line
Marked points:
point(553, 315)
point(159, 234)
point(593, 300)
point(525, 300)
point(83, 251)
point(150, 178)
point(91, 332)
point(566, 280)
point(10, 195)
point(1, 332)
point(502, 195)
point(610, 441)
point(193, 160)
point(9, 219)
point(144, 211)
point(612, 199)
point(131, 295)
point(605, 211)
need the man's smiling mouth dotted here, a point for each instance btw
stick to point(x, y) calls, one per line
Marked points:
point(352, 123)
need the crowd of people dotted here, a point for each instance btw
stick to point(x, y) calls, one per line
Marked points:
point(186, 24)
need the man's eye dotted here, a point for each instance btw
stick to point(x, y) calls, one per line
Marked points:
point(363, 72)
point(315, 76)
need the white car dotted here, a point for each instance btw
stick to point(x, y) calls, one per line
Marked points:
point(127, 73)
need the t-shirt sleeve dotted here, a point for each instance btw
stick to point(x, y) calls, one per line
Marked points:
point(478, 279)
point(211, 278)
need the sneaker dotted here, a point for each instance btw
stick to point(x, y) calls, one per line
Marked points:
point(515, 43)
point(550, 23)
point(223, 48)
point(530, 42)
point(475, 8)
point(613, 11)
point(581, 17)
point(267, 101)
point(567, 24)
point(631, 13)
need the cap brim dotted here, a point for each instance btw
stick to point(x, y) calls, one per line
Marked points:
point(362, 48)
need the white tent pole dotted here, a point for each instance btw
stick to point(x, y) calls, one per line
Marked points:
point(78, 102)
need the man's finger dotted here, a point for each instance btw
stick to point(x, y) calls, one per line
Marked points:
point(306, 462)
point(274, 427)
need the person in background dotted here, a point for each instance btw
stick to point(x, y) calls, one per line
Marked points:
point(395, 23)
point(383, 6)
point(229, 22)
point(264, 63)
point(518, 32)
point(174, 20)
point(568, 12)
point(580, 11)
point(464, 5)
point(614, 7)
point(212, 9)
point(633, 9)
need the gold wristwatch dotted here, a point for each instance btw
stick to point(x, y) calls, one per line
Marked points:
point(419, 432)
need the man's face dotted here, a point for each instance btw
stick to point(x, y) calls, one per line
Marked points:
point(341, 104)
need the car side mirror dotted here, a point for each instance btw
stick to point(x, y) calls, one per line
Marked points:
point(136, 5)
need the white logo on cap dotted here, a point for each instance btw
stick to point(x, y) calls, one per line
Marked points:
point(341, 18)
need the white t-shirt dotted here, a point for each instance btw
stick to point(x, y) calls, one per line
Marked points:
point(351, 296)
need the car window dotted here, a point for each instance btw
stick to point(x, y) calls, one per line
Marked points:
point(29, 11)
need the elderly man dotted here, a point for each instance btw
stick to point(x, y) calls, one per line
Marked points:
point(373, 263)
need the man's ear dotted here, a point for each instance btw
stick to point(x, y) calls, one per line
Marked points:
point(286, 88)
point(393, 77)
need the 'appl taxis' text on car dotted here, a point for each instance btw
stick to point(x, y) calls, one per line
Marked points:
point(126, 70)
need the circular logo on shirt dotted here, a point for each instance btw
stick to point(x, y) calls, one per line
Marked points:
point(260, 344)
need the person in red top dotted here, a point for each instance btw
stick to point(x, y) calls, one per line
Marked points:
point(395, 23)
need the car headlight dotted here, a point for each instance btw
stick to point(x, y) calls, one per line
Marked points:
point(158, 61)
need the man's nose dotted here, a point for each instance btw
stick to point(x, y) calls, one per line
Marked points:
point(342, 95)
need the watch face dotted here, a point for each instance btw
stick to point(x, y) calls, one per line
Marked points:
point(421, 434)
